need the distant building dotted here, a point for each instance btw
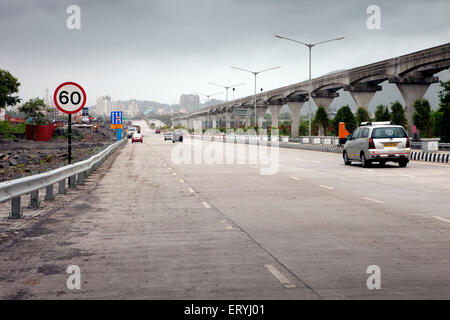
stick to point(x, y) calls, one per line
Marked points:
point(104, 106)
point(190, 102)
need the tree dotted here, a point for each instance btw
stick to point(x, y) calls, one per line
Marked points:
point(443, 120)
point(362, 115)
point(398, 114)
point(322, 120)
point(8, 87)
point(344, 114)
point(36, 109)
point(422, 116)
point(382, 113)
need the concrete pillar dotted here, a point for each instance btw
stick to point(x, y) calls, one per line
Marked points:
point(248, 119)
point(324, 98)
point(412, 88)
point(228, 119)
point(295, 108)
point(362, 93)
point(260, 112)
point(15, 208)
point(62, 186)
point(213, 121)
point(237, 122)
point(274, 111)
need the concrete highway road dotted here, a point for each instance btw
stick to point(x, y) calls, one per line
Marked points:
point(156, 229)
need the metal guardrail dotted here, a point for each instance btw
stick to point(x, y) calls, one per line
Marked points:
point(418, 145)
point(76, 173)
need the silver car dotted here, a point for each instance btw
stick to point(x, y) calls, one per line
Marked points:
point(377, 142)
point(167, 135)
point(177, 135)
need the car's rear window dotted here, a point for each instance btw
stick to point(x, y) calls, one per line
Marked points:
point(389, 132)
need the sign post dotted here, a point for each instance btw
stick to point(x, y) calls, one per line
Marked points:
point(116, 123)
point(69, 97)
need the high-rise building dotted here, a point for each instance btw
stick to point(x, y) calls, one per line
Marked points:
point(104, 106)
point(190, 102)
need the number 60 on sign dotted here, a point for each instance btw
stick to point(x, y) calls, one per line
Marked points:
point(69, 97)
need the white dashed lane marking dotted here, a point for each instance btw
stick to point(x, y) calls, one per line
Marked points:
point(295, 178)
point(326, 187)
point(374, 200)
point(280, 277)
point(442, 219)
point(206, 204)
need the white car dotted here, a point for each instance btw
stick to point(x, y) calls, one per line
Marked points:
point(167, 135)
point(377, 142)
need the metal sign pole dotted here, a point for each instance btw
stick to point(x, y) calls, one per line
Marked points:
point(70, 139)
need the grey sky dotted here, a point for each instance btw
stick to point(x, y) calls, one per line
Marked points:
point(158, 50)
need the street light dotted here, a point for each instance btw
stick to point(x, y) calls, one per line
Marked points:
point(227, 87)
point(255, 74)
point(208, 95)
point(309, 45)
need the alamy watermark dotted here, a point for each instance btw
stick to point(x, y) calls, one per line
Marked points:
point(74, 19)
point(374, 20)
point(374, 280)
point(74, 280)
point(239, 147)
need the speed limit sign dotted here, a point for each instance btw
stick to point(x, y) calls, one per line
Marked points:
point(69, 97)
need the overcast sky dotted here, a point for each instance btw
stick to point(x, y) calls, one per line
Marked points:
point(160, 49)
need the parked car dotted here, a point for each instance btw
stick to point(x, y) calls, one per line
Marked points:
point(131, 131)
point(137, 137)
point(167, 135)
point(377, 142)
point(177, 135)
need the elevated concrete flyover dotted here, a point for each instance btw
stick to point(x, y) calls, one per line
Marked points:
point(412, 74)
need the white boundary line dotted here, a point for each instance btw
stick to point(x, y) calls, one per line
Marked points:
point(280, 277)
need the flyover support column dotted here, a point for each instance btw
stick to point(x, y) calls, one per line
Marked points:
point(324, 99)
point(247, 119)
point(228, 119)
point(213, 121)
point(274, 112)
point(412, 88)
point(260, 112)
point(295, 108)
point(362, 94)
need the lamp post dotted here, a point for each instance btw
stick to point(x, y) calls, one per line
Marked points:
point(227, 87)
point(309, 45)
point(255, 73)
point(208, 96)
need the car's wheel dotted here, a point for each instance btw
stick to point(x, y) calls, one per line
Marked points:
point(382, 163)
point(347, 162)
point(364, 162)
point(173, 141)
point(403, 163)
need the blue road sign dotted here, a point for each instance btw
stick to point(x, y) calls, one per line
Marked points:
point(116, 117)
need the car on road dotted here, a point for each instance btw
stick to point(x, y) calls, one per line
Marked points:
point(131, 131)
point(137, 137)
point(157, 131)
point(167, 135)
point(177, 135)
point(377, 142)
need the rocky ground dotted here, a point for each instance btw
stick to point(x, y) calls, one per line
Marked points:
point(21, 157)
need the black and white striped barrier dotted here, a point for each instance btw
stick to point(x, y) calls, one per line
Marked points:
point(429, 156)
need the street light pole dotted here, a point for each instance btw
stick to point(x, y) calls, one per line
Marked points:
point(255, 74)
point(227, 87)
point(309, 45)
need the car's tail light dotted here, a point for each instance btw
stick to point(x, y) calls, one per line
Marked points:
point(371, 144)
point(408, 143)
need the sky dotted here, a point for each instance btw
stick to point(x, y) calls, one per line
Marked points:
point(160, 49)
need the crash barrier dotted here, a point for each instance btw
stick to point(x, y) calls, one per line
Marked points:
point(75, 173)
point(430, 156)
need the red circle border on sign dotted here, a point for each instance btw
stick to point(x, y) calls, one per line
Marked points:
point(62, 85)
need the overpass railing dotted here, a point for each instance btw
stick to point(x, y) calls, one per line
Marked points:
point(75, 173)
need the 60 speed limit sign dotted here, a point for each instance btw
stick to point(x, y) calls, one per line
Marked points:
point(69, 97)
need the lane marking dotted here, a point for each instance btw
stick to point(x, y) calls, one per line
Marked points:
point(229, 227)
point(331, 188)
point(254, 167)
point(169, 168)
point(316, 161)
point(191, 190)
point(374, 200)
point(174, 173)
point(280, 277)
point(206, 204)
point(181, 180)
point(407, 175)
point(295, 178)
point(442, 219)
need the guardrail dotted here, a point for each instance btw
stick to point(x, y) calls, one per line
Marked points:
point(418, 145)
point(75, 173)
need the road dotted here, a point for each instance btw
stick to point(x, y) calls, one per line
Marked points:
point(155, 229)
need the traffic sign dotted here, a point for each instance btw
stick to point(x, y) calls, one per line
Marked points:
point(69, 97)
point(116, 117)
point(116, 126)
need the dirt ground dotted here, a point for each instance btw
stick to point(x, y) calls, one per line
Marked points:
point(21, 157)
